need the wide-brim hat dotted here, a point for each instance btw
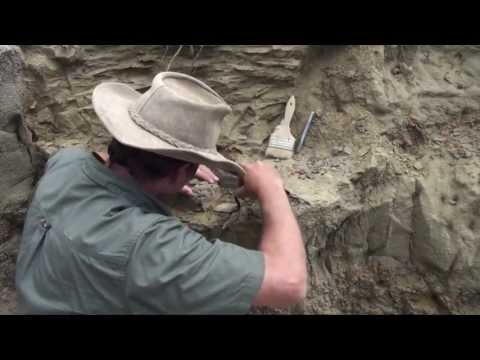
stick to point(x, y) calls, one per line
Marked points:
point(178, 117)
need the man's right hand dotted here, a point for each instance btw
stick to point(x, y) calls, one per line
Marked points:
point(261, 179)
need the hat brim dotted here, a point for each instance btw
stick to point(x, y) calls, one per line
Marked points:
point(111, 102)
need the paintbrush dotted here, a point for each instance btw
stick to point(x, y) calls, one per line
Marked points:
point(281, 141)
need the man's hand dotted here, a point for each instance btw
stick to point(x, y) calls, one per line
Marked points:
point(203, 173)
point(260, 179)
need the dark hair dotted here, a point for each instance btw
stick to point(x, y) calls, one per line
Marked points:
point(140, 162)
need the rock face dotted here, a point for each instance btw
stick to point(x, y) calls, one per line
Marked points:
point(386, 187)
point(18, 164)
point(254, 79)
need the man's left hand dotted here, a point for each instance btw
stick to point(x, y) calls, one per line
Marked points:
point(203, 173)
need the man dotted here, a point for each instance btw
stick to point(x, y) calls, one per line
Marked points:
point(98, 240)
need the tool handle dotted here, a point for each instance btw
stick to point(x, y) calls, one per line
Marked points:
point(289, 110)
point(305, 131)
point(230, 180)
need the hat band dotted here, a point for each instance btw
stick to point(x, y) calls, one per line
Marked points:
point(162, 135)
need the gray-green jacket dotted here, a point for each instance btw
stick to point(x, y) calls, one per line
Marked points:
point(94, 244)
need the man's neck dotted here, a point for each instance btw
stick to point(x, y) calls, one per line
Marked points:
point(122, 172)
point(103, 156)
point(118, 170)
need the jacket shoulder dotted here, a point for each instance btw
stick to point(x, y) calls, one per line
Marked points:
point(66, 156)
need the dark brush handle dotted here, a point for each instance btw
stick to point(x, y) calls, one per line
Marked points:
point(305, 131)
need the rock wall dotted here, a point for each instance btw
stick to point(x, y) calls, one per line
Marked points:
point(254, 79)
point(19, 162)
point(386, 188)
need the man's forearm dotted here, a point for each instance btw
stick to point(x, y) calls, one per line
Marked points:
point(281, 237)
point(285, 277)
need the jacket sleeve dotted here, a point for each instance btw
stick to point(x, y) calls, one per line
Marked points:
point(173, 269)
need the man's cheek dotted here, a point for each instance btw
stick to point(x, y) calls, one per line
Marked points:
point(193, 170)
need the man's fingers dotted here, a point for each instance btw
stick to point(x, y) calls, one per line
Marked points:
point(251, 166)
point(246, 166)
point(204, 173)
point(187, 190)
point(208, 172)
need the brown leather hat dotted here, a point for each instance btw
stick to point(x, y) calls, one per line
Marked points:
point(178, 117)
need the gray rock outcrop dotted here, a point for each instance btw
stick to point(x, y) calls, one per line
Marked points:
point(19, 161)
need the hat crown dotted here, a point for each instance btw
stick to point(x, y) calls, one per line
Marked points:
point(180, 108)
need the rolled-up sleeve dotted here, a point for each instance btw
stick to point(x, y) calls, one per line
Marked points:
point(173, 269)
